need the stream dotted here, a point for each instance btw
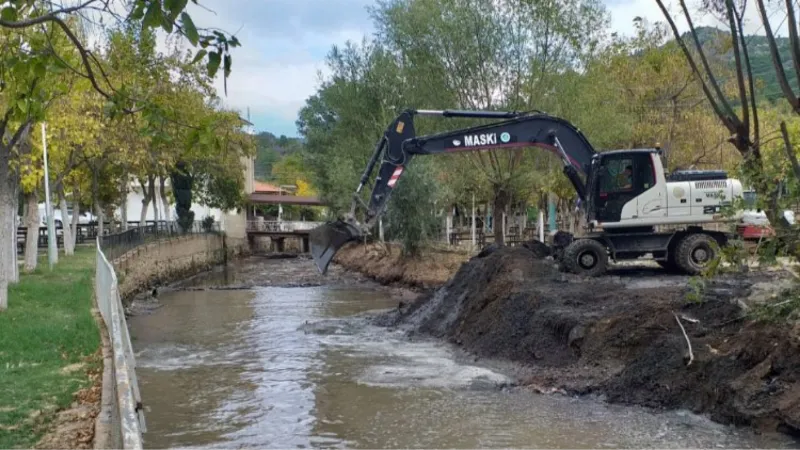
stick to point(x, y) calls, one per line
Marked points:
point(279, 367)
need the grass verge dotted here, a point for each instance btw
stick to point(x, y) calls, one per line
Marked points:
point(47, 335)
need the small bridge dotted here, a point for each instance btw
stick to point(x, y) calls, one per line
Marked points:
point(279, 230)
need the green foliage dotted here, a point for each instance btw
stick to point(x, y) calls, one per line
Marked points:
point(182, 184)
point(408, 218)
point(269, 150)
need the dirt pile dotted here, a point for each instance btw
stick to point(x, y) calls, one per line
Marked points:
point(387, 264)
point(618, 337)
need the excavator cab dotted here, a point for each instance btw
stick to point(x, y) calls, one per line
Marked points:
point(619, 177)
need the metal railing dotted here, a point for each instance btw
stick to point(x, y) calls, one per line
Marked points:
point(282, 226)
point(117, 244)
point(127, 416)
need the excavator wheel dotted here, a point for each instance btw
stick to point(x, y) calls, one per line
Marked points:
point(694, 252)
point(586, 257)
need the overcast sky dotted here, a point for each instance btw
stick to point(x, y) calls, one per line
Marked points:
point(284, 43)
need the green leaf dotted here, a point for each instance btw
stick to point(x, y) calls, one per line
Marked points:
point(153, 16)
point(39, 69)
point(9, 14)
point(226, 65)
point(213, 63)
point(138, 11)
point(21, 104)
point(200, 55)
point(175, 7)
point(166, 24)
point(189, 29)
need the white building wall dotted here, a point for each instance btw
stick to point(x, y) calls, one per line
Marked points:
point(134, 208)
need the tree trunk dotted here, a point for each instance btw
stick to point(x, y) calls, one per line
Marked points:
point(152, 189)
point(123, 211)
point(98, 207)
point(76, 207)
point(501, 199)
point(8, 219)
point(164, 202)
point(69, 243)
point(32, 225)
point(145, 204)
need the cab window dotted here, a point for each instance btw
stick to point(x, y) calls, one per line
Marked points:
point(618, 175)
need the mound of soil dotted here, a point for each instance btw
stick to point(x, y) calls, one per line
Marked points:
point(618, 339)
point(386, 264)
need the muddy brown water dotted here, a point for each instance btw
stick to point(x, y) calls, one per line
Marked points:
point(301, 367)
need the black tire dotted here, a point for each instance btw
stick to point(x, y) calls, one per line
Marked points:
point(694, 252)
point(586, 257)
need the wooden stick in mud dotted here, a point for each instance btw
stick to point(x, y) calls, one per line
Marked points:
point(686, 336)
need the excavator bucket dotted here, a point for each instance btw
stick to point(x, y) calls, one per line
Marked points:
point(327, 239)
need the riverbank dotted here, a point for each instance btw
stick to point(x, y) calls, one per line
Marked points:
point(618, 336)
point(50, 358)
point(386, 264)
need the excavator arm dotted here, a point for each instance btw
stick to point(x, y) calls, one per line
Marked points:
point(399, 144)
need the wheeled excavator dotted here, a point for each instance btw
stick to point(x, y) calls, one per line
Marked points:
point(625, 194)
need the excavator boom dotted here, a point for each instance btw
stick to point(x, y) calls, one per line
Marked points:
point(399, 144)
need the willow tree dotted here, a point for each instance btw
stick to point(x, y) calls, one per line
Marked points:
point(342, 122)
point(485, 54)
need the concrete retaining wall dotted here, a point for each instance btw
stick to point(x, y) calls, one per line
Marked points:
point(164, 261)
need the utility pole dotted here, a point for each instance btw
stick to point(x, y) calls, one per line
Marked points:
point(52, 249)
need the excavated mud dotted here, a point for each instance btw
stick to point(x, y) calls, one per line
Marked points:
point(618, 337)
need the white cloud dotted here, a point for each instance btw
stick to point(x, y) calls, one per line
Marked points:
point(624, 11)
point(275, 89)
point(284, 43)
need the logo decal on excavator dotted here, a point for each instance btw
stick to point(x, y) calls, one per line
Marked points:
point(505, 137)
point(456, 142)
point(473, 140)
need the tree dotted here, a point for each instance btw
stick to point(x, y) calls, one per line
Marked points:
point(32, 76)
point(182, 183)
point(342, 121)
point(479, 54)
point(40, 45)
point(745, 126)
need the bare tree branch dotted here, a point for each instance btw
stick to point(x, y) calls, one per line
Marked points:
point(794, 39)
point(750, 82)
point(776, 59)
point(724, 118)
point(711, 78)
point(44, 18)
point(737, 57)
point(787, 146)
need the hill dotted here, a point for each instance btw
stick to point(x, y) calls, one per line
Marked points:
point(760, 58)
point(270, 149)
